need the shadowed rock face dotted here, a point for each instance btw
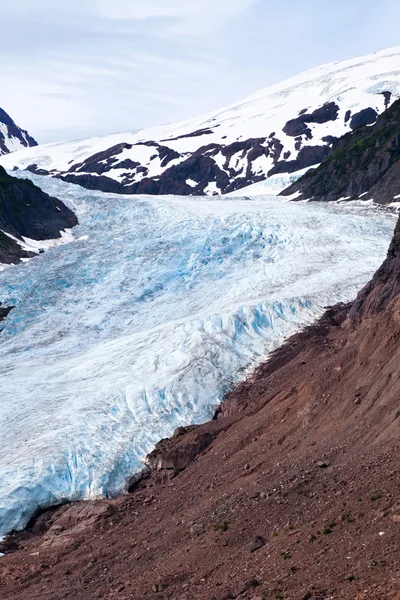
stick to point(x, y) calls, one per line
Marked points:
point(298, 126)
point(4, 312)
point(12, 137)
point(365, 161)
point(368, 116)
point(26, 211)
point(384, 288)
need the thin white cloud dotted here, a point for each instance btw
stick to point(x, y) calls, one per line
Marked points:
point(86, 67)
point(205, 10)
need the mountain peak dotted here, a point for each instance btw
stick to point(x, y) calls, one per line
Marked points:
point(12, 137)
point(282, 129)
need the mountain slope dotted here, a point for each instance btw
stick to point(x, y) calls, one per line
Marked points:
point(290, 492)
point(282, 129)
point(364, 163)
point(12, 137)
point(27, 213)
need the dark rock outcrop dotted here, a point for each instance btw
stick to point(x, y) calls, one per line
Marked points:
point(298, 126)
point(367, 116)
point(26, 211)
point(12, 133)
point(4, 312)
point(307, 157)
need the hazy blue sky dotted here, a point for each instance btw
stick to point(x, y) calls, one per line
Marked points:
point(74, 68)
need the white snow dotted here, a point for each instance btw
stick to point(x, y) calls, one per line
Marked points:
point(143, 323)
point(31, 245)
point(12, 143)
point(271, 186)
point(192, 183)
point(212, 189)
point(394, 205)
point(353, 84)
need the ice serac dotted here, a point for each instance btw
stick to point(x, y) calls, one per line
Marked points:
point(282, 129)
point(121, 338)
point(12, 137)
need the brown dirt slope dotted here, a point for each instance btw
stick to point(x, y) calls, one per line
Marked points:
point(292, 492)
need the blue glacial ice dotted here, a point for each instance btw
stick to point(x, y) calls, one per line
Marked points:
point(144, 322)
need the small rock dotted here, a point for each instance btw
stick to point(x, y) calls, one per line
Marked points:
point(257, 543)
point(159, 587)
point(307, 596)
point(351, 578)
point(196, 529)
point(323, 464)
point(252, 583)
point(396, 518)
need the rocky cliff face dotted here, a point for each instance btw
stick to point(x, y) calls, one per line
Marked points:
point(282, 129)
point(384, 289)
point(27, 212)
point(364, 163)
point(12, 137)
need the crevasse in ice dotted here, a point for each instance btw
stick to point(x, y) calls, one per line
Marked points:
point(144, 322)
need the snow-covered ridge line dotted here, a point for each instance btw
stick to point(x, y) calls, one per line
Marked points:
point(284, 128)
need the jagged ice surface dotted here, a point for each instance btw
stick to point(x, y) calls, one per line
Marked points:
point(147, 319)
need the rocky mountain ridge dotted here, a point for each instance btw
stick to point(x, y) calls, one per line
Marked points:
point(12, 137)
point(283, 129)
point(28, 213)
point(363, 164)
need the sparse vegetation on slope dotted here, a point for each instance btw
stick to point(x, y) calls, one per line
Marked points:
point(365, 161)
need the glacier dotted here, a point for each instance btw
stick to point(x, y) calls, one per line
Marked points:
point(144, 322)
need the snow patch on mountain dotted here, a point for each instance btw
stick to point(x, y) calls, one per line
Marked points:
point(271, 186)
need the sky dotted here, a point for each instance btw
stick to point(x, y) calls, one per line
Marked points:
point(80, 68)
